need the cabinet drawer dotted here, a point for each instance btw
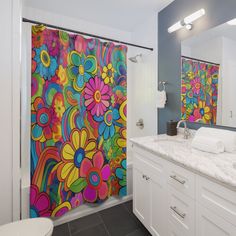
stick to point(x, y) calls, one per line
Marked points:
point(182, 180)
point(140, 164)
point(210, 224)
point(217, 198)
point(181, 212)
point(150, 170)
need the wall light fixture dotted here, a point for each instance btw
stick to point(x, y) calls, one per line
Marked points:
point(232, 22)
point(187, 22)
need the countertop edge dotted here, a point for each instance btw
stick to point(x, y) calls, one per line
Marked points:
point(195, 171)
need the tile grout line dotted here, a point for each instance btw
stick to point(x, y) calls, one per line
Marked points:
point(126, 208)
point(104, 224)
point(86, 228)
point(69, 229)
point(132, 232)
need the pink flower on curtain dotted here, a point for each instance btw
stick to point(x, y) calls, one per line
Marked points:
point(196, 85)
point(52, 43)
point(77, 200)
point(97, 96)
point(96, 176)
point(39, 203)
point(196, 114)
point(80, 44)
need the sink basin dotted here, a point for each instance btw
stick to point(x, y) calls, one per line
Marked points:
point(172, 144)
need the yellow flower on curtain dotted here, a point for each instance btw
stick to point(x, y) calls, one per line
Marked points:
point(122, 140)
point(57, 133)
point(59, 108)
point(191, 75)
point(73, 152)
point(205, 111)
point(108, 73)
point(62, 75)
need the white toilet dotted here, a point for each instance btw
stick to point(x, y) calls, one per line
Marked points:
point(28, 227)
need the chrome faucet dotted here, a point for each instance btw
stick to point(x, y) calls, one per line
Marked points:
point(186, 130)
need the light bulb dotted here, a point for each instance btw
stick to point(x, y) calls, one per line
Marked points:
point(232, 22)
point(175, 27)
point(191, 18)
point(187, 22)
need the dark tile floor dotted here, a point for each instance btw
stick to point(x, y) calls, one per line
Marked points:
point(115, 221)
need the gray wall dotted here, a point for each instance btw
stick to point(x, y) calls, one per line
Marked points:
point(169, 46)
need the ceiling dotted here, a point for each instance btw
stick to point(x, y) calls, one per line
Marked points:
point(121, 14)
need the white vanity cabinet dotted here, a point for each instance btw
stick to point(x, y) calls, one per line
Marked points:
point(149, 194)
point(173, 201)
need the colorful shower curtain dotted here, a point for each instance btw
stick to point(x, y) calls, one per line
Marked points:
point(199, 91)
point(78, 121)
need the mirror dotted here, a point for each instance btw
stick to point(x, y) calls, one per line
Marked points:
point(208, 76)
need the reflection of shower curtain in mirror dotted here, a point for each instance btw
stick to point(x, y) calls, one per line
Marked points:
point(78, 121)
point(199, 91)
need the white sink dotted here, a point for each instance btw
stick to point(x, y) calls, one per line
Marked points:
point(173, 144)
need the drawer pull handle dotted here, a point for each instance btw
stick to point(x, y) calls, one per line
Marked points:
point(182, 215)
point(174, 177)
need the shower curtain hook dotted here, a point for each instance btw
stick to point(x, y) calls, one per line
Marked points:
point(163, 83)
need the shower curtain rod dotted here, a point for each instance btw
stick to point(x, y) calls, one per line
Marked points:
point(84, 33)
point(195, 59)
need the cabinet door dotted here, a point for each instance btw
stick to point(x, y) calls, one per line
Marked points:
point(209, 223)
point(140, 196)
point(158, 204)
point(172, 230)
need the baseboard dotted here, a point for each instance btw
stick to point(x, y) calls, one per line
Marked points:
point(87, 209)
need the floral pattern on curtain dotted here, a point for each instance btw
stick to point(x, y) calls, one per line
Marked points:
point(78, 121)
point(199, 91)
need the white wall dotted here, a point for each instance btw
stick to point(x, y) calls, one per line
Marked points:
point(6, 113)
point(229, 82)
point(9, 119)
point(143, 85)
point(209, 51)
point(75, 23)
point(144, 82)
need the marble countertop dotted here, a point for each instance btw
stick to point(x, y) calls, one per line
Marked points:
point(220, 167)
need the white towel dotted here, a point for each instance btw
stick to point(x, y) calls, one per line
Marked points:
point(227, 137)
point(208, 144)
point(161, 99)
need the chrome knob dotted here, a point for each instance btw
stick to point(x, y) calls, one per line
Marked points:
point(140, 123)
